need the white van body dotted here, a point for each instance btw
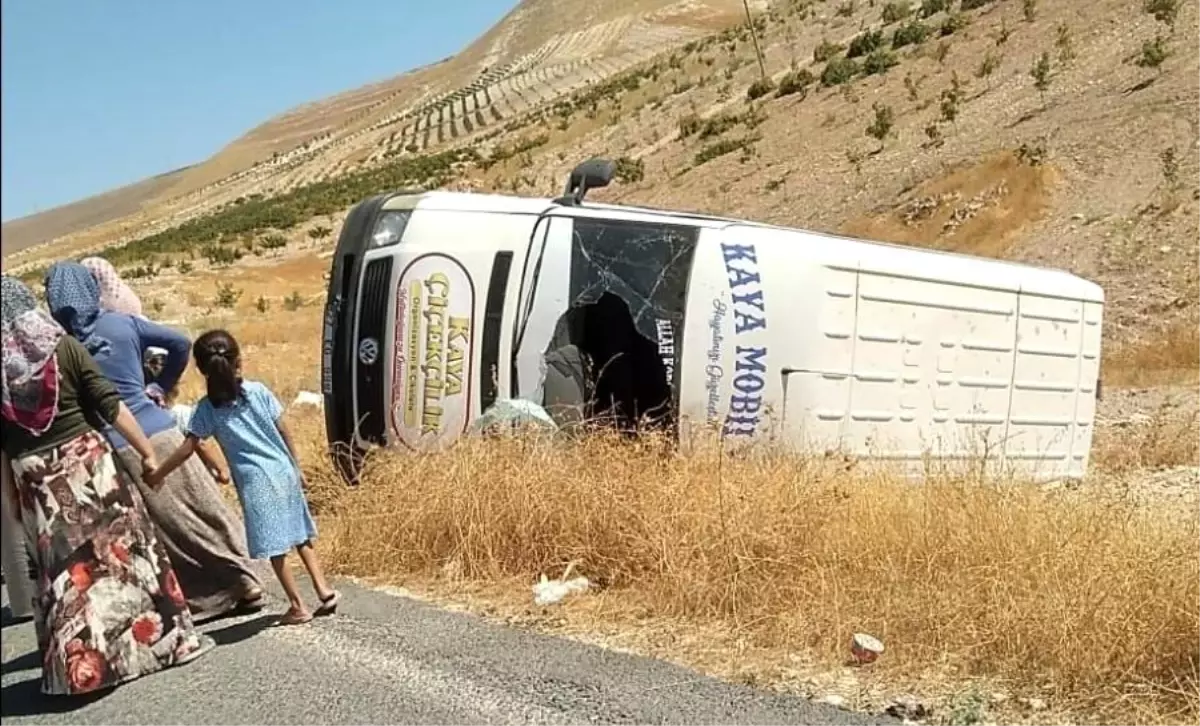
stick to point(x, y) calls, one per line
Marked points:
point(441, 303)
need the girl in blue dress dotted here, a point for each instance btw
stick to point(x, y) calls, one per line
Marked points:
point(246, 419)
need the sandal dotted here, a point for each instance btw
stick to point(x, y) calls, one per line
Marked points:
point(328, 604)
point(291, 617)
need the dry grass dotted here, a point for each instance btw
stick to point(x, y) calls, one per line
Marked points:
point(994, 200)
point(1089, 601)
point(1167, 356)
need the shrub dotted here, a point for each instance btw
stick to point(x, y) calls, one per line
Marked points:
point(894, 12)
point(839, 71)
point(293, 302)
point(318, 233)
point(795, 82)
point(1169, 159)
point(227, 295)
point(1164, 11)
point(719, 124)
point(723, 147)
point(629, 170)
point(974, 4)
point(759, 88)
point(1154, 53)
point(184, 266)
point(1066, 48)
point(951, 97)
point(1032, 154)
point(933, 132)
point(1029, 10)
point(825, 50)
point(274, 242)
point(689, 125)
point(930, 8)
point(1040, 73)
point(146, 271)
point(952, 24)
point(913, 33)
point(988, 65)
point(262, 305)
point(882, 124)
point(880, 61)
point(864, 43)
point(221, 256)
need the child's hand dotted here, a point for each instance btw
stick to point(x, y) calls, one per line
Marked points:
point(219, 475)
point(152, 477)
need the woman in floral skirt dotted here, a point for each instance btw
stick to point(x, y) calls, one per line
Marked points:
point(108, 607)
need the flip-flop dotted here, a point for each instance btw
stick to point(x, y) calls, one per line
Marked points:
point(290, 618)
point(328, 604)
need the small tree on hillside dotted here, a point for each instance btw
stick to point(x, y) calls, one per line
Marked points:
point(881, 126)
point(1164, 11)
point(1154, 53)
point(1040, 72)
point(951, 98)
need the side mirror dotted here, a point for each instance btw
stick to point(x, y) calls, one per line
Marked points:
point(591, 174)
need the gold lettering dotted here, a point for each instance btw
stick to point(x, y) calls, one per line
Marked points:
point(438, 279)
point(459, 328)
point(436, 371)
point(454, 371)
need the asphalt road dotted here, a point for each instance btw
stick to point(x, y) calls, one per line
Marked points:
point(386, 659)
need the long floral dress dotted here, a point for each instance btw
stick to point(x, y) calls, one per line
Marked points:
point(108, 607)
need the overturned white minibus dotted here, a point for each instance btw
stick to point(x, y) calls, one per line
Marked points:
point(441, 304)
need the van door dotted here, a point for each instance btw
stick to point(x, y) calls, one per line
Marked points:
point(545, 297)
point(615, 290)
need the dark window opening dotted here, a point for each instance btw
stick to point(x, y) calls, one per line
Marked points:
point(600, 368)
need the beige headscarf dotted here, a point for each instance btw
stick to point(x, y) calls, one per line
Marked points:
point(115, 295)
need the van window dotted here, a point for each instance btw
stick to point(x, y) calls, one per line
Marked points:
point(646, 264)
point(628, 293)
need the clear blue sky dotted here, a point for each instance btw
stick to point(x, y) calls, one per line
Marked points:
point(102, 93)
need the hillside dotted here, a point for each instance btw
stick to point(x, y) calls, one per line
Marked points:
point(34, 229)
point(1095, 172)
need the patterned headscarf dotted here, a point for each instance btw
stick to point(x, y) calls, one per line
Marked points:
point(115, 295)
point(74, 299)
point(30, 370)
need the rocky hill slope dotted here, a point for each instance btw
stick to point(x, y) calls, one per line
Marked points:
point(1063, 133)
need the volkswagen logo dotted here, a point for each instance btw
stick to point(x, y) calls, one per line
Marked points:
point(368, 351)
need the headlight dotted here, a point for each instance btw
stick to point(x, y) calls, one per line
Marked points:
point(390, 227)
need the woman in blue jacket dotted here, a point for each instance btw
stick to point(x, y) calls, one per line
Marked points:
point(202, 536)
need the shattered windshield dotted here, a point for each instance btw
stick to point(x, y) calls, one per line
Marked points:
point(645, 264)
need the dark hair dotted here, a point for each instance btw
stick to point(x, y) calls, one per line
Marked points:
point(219, 359)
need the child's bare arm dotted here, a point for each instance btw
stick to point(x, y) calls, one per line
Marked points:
point(205, 451)
point(178, 456)
point(286, 433)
